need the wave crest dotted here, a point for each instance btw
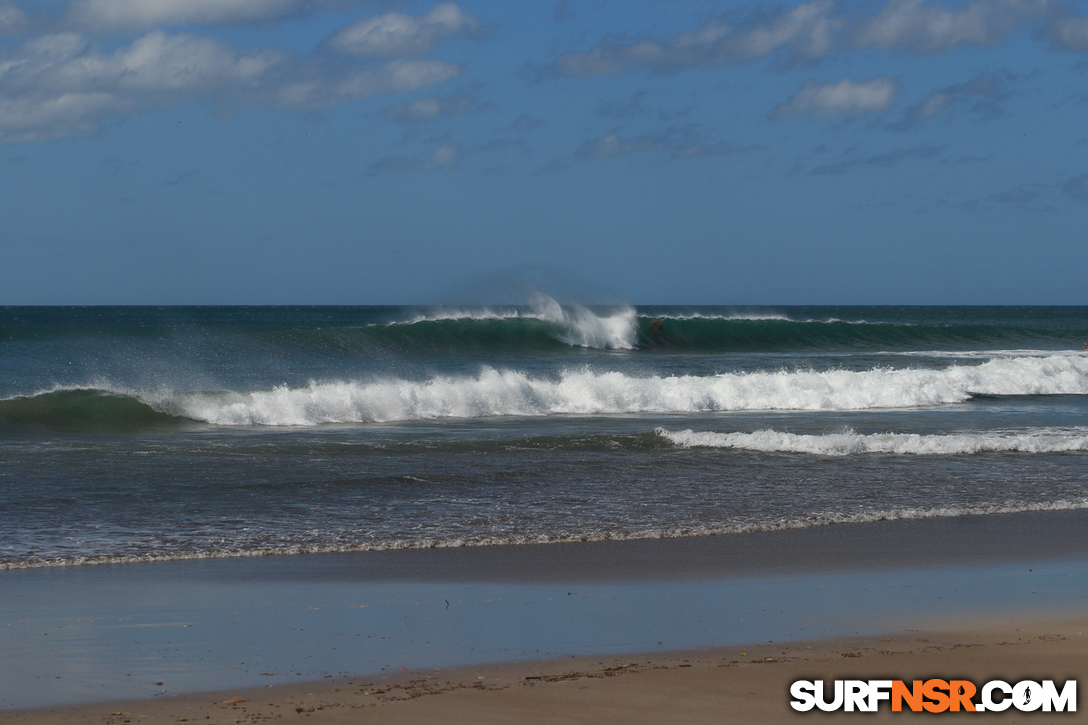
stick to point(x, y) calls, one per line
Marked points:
point(849, 443)
point(493, 393)
point(512, 393)
point(571, 324)
point(546, 322)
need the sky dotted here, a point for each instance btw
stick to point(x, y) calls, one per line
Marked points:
point(660, 152)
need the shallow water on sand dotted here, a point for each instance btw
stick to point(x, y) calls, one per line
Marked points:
point(83, 634)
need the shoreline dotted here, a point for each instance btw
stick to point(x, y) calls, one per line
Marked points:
point(749, 683)
point(964, 538)
point(122, 632)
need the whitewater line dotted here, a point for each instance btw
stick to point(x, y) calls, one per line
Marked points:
point(782, 524)
point(494, 393)
point(848, 442)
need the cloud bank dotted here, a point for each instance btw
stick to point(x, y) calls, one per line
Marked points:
point(1068, 34)
point(921, 27)
point(845, 98)
point(121, 15)
point(981, 96)
point(62, 83)
point(805, 30)
point(394, 35)
point(811, 30)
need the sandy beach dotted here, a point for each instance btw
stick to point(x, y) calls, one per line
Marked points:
point(697, 629)
point(734, 684)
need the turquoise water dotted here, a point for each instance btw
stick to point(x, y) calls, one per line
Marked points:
point(131, 433)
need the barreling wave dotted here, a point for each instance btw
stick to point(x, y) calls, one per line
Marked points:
point(850, 443)
point(542, 326)
point(496, 393)
point(782, 524)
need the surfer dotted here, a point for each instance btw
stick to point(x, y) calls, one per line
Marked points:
point(658, 326)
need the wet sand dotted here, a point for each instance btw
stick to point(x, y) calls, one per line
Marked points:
point(733, 684)
point(151, 635)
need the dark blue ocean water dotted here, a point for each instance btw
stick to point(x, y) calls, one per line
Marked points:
point(135, 433)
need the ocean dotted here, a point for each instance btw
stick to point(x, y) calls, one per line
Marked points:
point(134, 434)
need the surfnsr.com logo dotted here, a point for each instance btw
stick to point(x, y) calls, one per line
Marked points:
point(934, 695)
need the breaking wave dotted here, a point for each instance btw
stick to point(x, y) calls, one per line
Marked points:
point(494, 392)
point(540, 326)
point(545, 319)
point(552, 326)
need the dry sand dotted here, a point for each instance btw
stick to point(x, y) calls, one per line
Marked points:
point(734, 684)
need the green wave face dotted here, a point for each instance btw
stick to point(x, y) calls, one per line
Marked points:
point(695, 334)
point(525, 330)
point(471, 335)
point(83, 411)
point(784, 335)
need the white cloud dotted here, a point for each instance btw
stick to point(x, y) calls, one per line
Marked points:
point(806, 30)
point(53, 116)
point(12, 19)
point(110, 15)
point(444, 157)
point(916, 26)
point(813, 29)
point(422, 110)
point(315, 86)
point(61, 84)
point(845, 98)
point(1068, 33)
point(426, 109)
point(395, 35)
point(981, 96)
point(67, 63)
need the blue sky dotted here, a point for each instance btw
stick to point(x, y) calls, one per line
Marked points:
point(355, 152)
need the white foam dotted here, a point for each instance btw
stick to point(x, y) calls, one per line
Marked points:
point(513, 393)
point(977, 354)
point(771, 316)
point(752, 316)
point(804, 522)
point(463, 313)
point(848, 443)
